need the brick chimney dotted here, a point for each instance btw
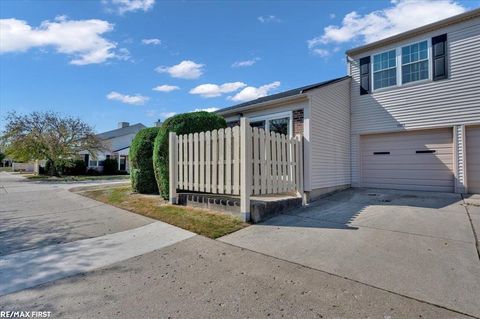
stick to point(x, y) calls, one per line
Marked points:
point(123, 124)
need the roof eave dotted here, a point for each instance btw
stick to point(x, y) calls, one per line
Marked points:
point(283, 100)
point(418, 31)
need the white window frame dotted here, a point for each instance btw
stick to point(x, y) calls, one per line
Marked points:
point(373, 71)
point(398, 55)
point(275, 116)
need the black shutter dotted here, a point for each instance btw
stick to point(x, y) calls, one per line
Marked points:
point(439, 61)
point(365, 75)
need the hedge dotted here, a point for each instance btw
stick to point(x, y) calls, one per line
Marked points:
point(110, 166)
point(67, 167)
point(141, 167)
point(181, 124)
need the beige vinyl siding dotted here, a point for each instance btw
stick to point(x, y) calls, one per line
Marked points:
point(428, 104)
point(473, 158)
point(330, 135)
point(403, 168)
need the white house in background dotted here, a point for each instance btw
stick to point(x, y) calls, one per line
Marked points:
point(117, 145)
point(407, 115)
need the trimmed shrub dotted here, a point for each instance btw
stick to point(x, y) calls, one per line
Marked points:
point(141, 166)
point(110, 166)
point(67, 167)
point(181, 124)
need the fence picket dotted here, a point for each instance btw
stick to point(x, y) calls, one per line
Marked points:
point(190, 161)
point(214, 161)
point(221, 160)
point(208, 161)
point(180, 161)
point(236, 160)
point(263, 175)
point(268, 162)
point(201, 140)
point(284, 164)
point(255, 162)
point(228, 160)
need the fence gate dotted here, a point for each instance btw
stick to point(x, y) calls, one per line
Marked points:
point(236, 161)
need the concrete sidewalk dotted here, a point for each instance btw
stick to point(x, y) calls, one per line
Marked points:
point(35, 215)
point(37, 266)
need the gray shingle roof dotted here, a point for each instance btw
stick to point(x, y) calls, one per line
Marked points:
point(281, 95)
point(121, 131)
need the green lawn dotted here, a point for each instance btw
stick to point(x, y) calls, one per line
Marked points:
point(202, 222)
point(75, 178)
point(5, 169)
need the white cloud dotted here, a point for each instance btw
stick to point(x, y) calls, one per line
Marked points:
point(207, 109)
point(123, 6)
point(401, 16)
point(268, 19)
point(321, 52)
point(80, 39)
point(127, 99)
point(332, 15)
point(166, 88)
point(184, 70)
point(213, 90)
point(164, 115)
point(246, 63)
point(152, 41)
point(160, 115)
point(250, 93)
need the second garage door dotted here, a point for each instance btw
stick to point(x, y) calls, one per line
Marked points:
point(415, 160)
point(473, 158)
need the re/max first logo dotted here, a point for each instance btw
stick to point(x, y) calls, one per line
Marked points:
point(25, 314)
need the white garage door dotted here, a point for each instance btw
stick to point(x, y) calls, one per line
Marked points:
point(415, 160)
point(473, 158)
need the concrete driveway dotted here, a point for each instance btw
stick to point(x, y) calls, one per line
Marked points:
point(416, 244)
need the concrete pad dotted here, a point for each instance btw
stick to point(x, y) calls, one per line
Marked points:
point(417, 251)
point(34, 267)
point(407, 219)
point(202, 278)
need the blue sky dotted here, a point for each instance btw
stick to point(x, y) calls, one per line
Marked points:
point(101, 60)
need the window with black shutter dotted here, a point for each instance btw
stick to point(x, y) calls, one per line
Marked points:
point(365, 75)
point(439, 57)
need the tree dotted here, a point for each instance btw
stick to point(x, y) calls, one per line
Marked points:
point(47, 135)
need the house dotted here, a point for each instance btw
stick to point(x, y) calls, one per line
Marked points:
point(321, 112)
point(406, 116)
point(117, 145)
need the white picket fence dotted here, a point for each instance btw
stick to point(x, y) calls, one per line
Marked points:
point(236, 161)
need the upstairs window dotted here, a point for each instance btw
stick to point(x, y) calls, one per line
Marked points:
point(415, 62)
point(384, 69)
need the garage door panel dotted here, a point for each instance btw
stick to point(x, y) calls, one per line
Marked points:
point(429, 188)
point(377, 159)
point(404, 146)
point(404, 168)
point(473, 158)
point(410, 174)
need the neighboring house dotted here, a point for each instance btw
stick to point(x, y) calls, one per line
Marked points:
point(406, 117)
point(117, 145)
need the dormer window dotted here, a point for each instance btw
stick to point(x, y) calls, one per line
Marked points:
point(384, 69)
point(415, 62)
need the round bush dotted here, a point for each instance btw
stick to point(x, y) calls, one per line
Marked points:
point(141, 167)
point(110, 166)
point(181, 124)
